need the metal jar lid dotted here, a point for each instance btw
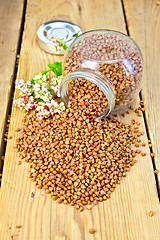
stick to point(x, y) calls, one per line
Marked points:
point(58, 29)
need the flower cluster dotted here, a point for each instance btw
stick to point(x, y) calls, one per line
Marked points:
point(57, 45)
point(55, 84)
point(38, 94)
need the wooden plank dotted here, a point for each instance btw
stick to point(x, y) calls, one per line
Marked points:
point(143, 19)
point(121, 217)
point(10, 23)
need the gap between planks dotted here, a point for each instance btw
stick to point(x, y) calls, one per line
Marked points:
point(143, 113)
point(14, 75)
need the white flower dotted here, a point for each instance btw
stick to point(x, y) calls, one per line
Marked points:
point(31, 98)
point(38, 115)
point(36, 87)
point(55, 89)
point(37, 76)
point(54, 81)
point(62, 106)
point(35, 95)
point(55, 44)
point(44, 77)
point(57, 111)
point(55, 104)
point(58, 94)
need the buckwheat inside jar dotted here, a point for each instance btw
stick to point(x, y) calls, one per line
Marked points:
point(109, 59)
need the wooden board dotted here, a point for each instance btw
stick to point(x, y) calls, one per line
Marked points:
point(10, 22)
point(124, 216)
point(143, 19)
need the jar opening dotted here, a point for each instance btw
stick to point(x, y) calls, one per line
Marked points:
point(104, 86)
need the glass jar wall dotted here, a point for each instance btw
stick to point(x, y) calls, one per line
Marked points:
point(109, 59)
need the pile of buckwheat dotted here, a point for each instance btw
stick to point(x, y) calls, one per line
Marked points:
point(75, 157)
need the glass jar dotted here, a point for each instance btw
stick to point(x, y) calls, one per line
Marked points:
point(109, 59)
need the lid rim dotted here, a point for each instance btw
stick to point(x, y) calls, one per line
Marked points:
point(48, 28)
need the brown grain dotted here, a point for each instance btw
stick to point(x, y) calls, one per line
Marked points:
point(76, 158)
point(109, 47)
point(91, 231)
point(150, 213)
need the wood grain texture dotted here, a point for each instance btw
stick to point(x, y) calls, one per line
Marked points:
point(143, 19)
point(124, 216)
point(10, 24)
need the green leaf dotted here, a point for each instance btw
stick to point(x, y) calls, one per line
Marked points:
point(45, 71)
point(33, 82)
point(40, 81)
point(51, 65)
point(76, 34)
point(33, 94)
point(56, 67)
point(65, 46)
point(49, 90)
point(61, 43)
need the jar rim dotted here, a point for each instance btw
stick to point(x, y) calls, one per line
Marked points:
point(103, 85)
